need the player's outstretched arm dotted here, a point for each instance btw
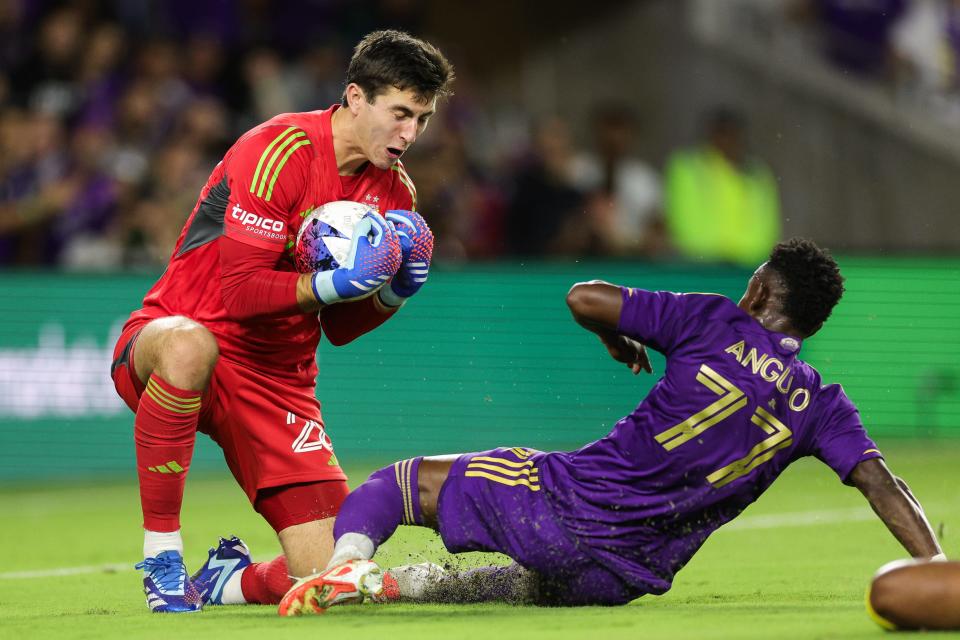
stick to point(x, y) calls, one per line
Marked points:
point(912, 594)
point(596, 306)
point(896, 507)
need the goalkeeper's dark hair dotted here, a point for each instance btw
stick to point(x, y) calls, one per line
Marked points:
point(391, 58)
point(812, 280)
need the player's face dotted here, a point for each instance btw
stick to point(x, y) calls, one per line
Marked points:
point(391, 124)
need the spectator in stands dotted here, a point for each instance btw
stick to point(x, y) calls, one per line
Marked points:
point(722, 203)
point(927, 45)
point(856, 34)
point(544, 206)
point(622, 192)
point(46, 78)
point(34, 161)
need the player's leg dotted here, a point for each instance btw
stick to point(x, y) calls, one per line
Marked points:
point(173, 358)
point(274, 442)
point(302, 515)
point(916, 595)
point(577, 583)
point(161, 372)
point(306, 549)
point(405, 492)
point(510, 584)
point(497, 501)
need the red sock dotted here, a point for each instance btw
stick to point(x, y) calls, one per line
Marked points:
point(266, 582)
point(164, 432)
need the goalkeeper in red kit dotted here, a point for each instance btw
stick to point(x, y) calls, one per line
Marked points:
point(226, 340)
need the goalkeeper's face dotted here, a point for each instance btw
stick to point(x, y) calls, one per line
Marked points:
point(389, 125)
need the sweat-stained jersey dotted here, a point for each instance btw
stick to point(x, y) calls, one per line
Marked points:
point(734, 408)
point(259, 194)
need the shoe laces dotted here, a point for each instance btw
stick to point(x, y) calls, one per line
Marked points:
point(168, 573)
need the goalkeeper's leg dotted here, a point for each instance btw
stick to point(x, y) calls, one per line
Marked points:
point(403, 493)
point(161, 371)
point(302, 515)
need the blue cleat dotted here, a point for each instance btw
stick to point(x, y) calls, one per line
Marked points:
point(166, 584)
point(225, 560)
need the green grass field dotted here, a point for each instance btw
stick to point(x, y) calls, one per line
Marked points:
point(794, 565)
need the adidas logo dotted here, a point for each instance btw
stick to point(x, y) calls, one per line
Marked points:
point(170, 467)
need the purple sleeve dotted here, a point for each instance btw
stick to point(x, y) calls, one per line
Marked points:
point(655, 318)
point(841, 441)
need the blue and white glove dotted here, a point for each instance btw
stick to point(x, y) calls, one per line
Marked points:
point(416, 245)
point(374, 258)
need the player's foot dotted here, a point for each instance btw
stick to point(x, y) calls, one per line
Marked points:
point(346, 583)
point(409, 582)
point(167, 586)
point(226, 559)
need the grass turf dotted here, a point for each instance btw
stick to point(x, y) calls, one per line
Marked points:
point(794, 565)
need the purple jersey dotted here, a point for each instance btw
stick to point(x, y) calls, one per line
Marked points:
point(733, 410)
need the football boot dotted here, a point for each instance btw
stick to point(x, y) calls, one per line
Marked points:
point(167, 586)
point(228, 557)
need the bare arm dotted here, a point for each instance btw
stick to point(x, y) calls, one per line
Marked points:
point(596, 307)
point(913, 594)
point(896, 506)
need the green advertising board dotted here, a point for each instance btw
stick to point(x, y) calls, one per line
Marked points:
point(486, 355)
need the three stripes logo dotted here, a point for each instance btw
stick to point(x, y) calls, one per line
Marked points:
point(507, 472)
point(169, 467)
point(272, 160)
point(403, 471)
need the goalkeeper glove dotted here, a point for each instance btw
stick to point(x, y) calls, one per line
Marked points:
point(416, 244)
point(374, 257)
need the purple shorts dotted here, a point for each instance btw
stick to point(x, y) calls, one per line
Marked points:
point(494, 501)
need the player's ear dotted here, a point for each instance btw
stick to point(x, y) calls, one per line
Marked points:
point(758, 295)
point(355, 97)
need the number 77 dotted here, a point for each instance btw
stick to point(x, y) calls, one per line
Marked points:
point(731, 400)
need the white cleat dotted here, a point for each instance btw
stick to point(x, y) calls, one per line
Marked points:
point(345, 583)
point(409, 582)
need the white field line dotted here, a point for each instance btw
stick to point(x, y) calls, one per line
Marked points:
point(67, 571)
point(744, 523)
point(801, 519)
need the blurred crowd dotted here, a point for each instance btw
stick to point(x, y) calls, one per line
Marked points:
point(113, 114)
point(912, 47)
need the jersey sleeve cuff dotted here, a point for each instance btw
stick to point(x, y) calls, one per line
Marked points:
point(390, 299)
point(323, 288)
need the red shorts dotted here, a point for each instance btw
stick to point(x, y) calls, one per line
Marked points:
point(271, 434)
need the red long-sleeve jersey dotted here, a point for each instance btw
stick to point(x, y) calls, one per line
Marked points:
point(232, 268)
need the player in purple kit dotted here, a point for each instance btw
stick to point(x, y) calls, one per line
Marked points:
point(619, 517)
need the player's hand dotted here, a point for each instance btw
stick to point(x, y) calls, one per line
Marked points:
point(416, 244)
point(628, 351)
point(374, 258)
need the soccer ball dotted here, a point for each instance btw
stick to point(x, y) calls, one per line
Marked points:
point(324, 239)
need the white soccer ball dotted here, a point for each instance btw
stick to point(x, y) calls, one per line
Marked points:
point(325, 237)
